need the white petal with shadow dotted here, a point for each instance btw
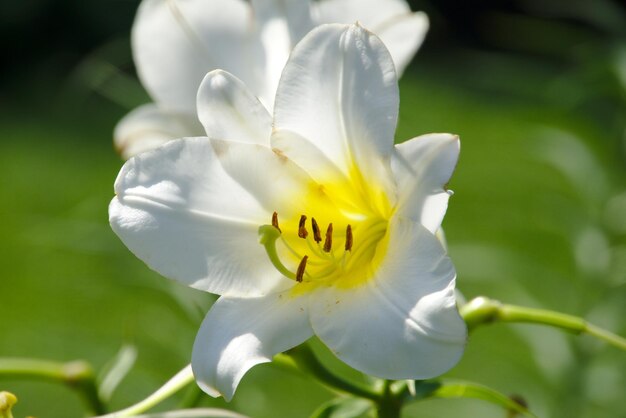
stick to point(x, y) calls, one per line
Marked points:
point(403, 35)
point(403, 323)
point(228, 110)
point(339, 91)
point(368, 12)
point(238, 334)
point(422, 167)
point(148, 127)
point(280, 25)
point(183, 215)
point(176, 42)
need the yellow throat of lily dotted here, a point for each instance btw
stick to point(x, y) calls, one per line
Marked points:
point(338, 239)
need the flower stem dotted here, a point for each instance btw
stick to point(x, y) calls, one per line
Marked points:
point(482, 310)
point(303, 359)
point(390, 405)
point(76, 374)
point(176, 383)
point(609, 337)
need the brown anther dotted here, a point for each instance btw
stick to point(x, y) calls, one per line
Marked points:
point(349, 239)
point(302, 232)
point(317, 235)
point(328, 242)
point(301, 267)
point(275, 222)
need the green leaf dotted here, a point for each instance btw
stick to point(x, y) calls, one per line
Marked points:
point(464, 389)
point(343, 408)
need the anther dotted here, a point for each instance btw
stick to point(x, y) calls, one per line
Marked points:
point(301, 267)
point(349, 239)
point(317, 236)
point(328, 243)
point(302, 232)
point(275, 222)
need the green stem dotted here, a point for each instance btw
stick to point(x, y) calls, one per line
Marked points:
point(303, 359)
point(192, 397)
point(482, 310)
point(76, 374)
point(176, 383)
point(390, 405)
point(609, 337)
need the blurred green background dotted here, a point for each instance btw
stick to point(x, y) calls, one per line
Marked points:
point(535, 88)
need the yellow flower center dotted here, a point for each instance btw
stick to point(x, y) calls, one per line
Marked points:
point(338, 239)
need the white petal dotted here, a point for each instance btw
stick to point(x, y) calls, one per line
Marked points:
point(280, 25)
point(422, 167)
point(148, 127)
point(403, 35)
point(308, 156)
point(228, 110)
point(176, 42)
point(339, 90)
point(403, 323)
point(183, 215)
point(401, 31)
point(296, 15)
point(238, 334)
point(368, 12)
point(274, 180)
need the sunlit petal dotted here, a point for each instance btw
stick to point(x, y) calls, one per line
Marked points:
point(370, 13)
point(148, 127)
point(339, 90)
point(238, 334)
point(274, 181)
point(403, 35)
point(175, 43)
point(183, 215)
point(422, 167)
point(228, 110)
point(280, 25)
point(403, 324)
point(401, 31)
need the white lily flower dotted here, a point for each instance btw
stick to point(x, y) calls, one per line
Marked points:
point(310, 223)
point(176, 42)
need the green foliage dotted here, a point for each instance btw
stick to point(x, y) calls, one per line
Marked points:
point(464, 389)
point(343, 408)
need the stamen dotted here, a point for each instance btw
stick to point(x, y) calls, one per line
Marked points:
point(301, 267)
point(302, 232)
point(275, 222)
point(349, 239)
point(317, 236)
point(328, 243)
